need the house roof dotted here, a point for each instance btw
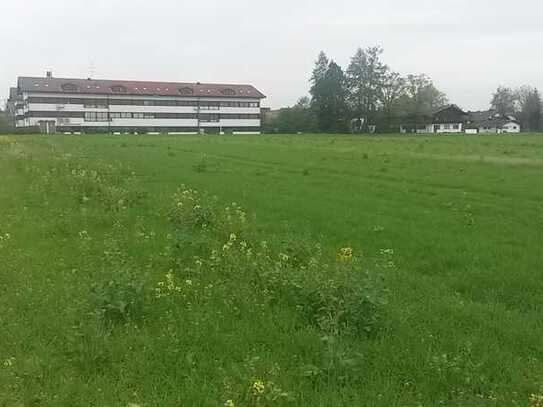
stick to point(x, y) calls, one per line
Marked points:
point(496, 122)
point(489, 118)
point(143, 88)
point(447, 107)
point(482, 115)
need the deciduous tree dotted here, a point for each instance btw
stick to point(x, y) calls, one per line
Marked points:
point(529, 108)
point(503, 101)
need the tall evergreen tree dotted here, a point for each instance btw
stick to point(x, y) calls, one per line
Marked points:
point(365, 79)
point(317, 91)
point(319, 71)
point(333, 116)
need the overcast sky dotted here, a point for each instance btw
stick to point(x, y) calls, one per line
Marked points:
point(468, 47)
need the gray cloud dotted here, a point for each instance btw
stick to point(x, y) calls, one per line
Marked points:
point(467, 47)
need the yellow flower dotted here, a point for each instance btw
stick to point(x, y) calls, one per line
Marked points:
point(9, 362)
point(258, 387)
point(345, 254)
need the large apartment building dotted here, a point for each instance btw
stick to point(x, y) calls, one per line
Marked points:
point(91, 106)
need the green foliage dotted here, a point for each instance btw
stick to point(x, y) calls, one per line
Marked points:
point(5, 128)
point(530, 113)
point(328, 93)
point(119, 299)
point(201, 165)
point(370, 94)
point(503, 101)
point(297, 119)
point(365, 81)
point(139, 304)
point(337, 297)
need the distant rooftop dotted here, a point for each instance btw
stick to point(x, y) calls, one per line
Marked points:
point(126, 87)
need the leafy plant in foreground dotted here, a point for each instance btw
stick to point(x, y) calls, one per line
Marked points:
point(119, 299)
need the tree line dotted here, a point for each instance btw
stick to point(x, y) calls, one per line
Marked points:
point(370, 96)
point(523, 103)
point(368, 93)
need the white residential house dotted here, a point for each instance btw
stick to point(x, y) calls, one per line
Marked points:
point(497, 124)
point(449, 119)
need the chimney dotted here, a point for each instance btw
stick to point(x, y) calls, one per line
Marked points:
point(49, 74)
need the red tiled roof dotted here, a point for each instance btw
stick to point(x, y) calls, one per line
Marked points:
point(100, 86)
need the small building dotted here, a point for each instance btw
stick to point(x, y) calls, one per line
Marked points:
point(448, 119)
point(452, 119)
point(499, 125)
point(491, 122)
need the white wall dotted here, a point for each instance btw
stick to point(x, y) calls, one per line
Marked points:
point(50, 107)
point(71, 121)
point(511, 127)
point(449, 128)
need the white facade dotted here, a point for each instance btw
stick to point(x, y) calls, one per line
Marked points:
point(508, 127)
point(511, 127)
point(439, 128)
point(205, 110)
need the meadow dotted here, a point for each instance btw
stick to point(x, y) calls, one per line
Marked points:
point(303, 270)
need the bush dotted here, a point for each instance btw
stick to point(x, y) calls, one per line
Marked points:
point(337, 295)
point(200, 212)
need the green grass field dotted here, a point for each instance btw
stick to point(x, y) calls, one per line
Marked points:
point(114, 292)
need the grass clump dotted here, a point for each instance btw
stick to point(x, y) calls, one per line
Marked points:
point(337, 295)
point(119, 300)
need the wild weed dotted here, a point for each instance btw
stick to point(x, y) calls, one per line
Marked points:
point(119, 299)
point(338, 295)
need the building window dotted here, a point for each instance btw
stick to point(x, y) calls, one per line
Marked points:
point(69, 87)
point(95, 104)
point(210, 105)
point(96, 117)
point(228, 92)
point(138, 115)
point(209, 118)
point(186, 91)
point(456, 126)
point(118, 89)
